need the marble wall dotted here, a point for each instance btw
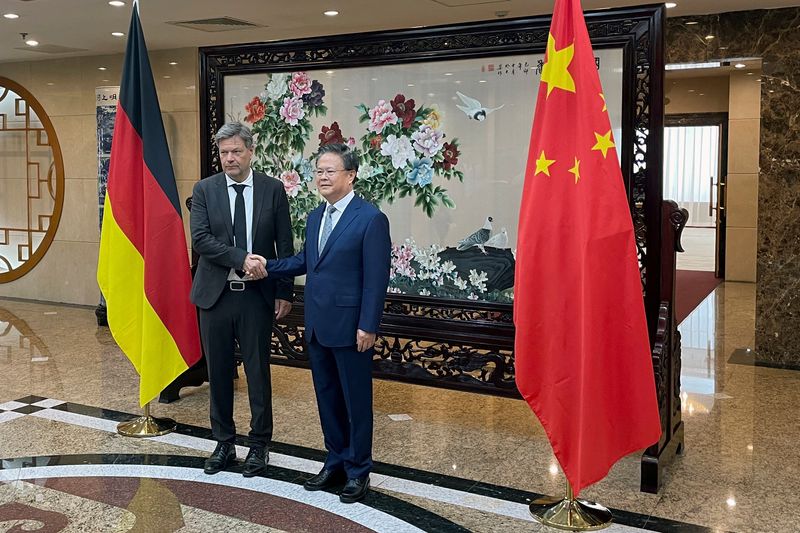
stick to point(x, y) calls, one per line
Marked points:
point(66, 89)
point(773, 36)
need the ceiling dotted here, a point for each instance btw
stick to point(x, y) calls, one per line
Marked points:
point(83, 27)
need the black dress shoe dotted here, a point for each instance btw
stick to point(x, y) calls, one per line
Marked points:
point(326, 479)
point(354, 490)
point(256, 461)
point(224, 453)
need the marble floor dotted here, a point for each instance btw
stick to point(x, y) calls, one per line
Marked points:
point(453, 462)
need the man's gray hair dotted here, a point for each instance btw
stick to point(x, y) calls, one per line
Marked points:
point(235, 129)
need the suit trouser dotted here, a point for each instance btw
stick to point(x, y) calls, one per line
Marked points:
point(343, 385)
point(246, 316)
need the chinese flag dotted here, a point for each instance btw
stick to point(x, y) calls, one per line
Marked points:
point(582, 349)
point(143, 269)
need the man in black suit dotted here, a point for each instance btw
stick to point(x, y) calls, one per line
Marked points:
point(346, 259)
point(239, 218)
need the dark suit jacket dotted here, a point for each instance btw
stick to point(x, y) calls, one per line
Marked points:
point(345, 283)
point(212, 236)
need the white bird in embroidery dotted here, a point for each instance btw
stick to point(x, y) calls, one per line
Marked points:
point(473, 108)
point(498, 240)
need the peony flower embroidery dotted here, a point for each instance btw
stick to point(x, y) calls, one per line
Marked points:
point(428, 141)
point(300, 84)
point(314, 97)
point(404, 109)
point(450, 154)
point(331, 135)
point(421, 173)
point(292, 110)
point(291, 182)
point(277, 86)
point(255, 110)
point(399, 149)
point(380, 116)
point(434, 118)
point(351, 143)
point(376, 142)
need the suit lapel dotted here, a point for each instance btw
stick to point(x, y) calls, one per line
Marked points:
point(221, 188)
point(259, 189)
point(350, 213)
point(312, 235)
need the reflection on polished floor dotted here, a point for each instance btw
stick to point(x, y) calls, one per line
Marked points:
point(457, 462)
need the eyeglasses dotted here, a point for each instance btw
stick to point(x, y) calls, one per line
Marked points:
point(328, 172)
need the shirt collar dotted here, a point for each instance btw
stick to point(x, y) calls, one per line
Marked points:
point(342, 204)
point(247, 183)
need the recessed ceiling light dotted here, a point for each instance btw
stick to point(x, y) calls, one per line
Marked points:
point(410, 84)
point(331, 13)
point(691, 90)
point(102, 68)
point(709, 37)
point(740, 65)
point(117, 34)
point(670, 5)
point(167, 77)
point(173, 63)
point(346, 89)
point(374, 79)
point(481, 81)
point(31, 42)
point(50, 83)
point(750, 73)
point(692, 23)
point(328, 72)
point(116, 3)
point(448, 73)
point(11, 16)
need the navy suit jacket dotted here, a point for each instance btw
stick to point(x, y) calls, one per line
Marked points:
point(346, 282)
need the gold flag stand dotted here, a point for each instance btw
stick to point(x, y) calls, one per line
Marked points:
point(570, 513)
point(146, 425)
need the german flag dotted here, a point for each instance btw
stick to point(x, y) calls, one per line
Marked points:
point(143, 270)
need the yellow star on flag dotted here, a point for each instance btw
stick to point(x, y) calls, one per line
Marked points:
point(576, 170)
point(554, 72)
point(604, 142)
point(604, 102)
point(543, 164)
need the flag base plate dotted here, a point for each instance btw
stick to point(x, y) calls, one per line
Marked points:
point(146, 426)
point(570, 514)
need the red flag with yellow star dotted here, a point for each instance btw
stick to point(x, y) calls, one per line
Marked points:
point(582, 350)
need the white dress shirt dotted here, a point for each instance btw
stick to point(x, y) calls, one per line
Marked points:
point(340, 206)
point(248, 213)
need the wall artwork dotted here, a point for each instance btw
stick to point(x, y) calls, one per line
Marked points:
point(442, 148)
point(106, 99)
point(106, 105)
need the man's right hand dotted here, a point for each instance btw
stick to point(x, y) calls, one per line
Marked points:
point(254, 266)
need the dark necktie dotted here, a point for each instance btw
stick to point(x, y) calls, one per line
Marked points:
point(239, 222)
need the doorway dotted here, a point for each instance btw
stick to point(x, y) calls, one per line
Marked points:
point(695, 166)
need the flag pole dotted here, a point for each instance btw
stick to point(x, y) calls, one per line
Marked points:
point(570, 513)
point(146, 425)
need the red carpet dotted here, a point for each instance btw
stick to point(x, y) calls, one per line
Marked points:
point(691, 288)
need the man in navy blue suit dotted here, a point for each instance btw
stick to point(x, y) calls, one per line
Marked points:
point(346, 259)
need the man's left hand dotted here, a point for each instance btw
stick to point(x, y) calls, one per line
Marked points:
point(365, 340)
point(282, 308)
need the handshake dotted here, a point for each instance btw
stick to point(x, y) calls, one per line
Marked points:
point(255, 267)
